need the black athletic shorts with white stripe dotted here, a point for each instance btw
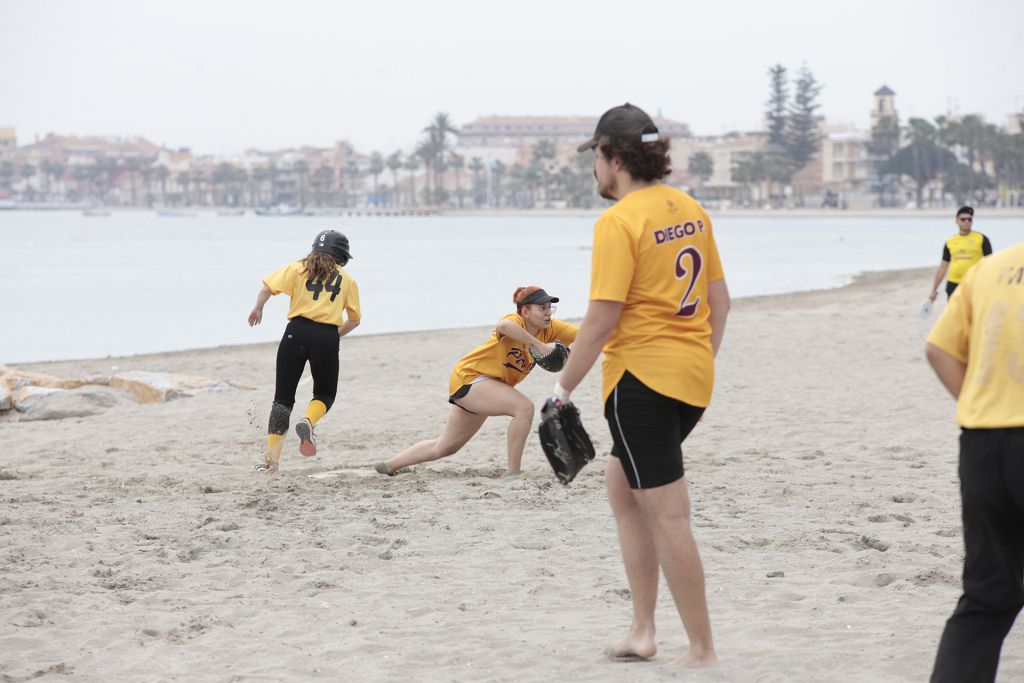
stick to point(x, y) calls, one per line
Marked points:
point(648, 430)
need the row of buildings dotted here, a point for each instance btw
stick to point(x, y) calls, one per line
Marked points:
point(493, 161)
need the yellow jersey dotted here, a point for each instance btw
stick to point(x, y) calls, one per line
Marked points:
point(654, 251)
point(962, 252)
point(504, 358)
point(983, 327)
point(322, 301)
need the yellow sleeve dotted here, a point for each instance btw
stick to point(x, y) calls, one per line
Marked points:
point(514, 317)
point(613, 261)
point(952, 330)
point(281, 280)
point(712, 260)
point(563, 332)
point(352, 309)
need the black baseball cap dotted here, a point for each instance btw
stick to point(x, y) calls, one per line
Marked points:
point(969, 210)
point(536, 295)
point(626, 122)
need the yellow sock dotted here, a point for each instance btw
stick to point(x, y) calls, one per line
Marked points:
point(315, 411)
point(274, 444)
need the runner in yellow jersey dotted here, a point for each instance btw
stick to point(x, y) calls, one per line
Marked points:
point(977, 350)
point(483, 382)
point(960, 252)
point(324, 308)
point(658, 305)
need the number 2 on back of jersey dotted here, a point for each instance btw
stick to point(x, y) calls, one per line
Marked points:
point(688, 309)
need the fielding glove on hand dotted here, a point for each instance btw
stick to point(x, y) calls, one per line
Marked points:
point(554, 361)
point(565, 442)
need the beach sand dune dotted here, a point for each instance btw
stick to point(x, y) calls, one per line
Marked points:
point(139, 545)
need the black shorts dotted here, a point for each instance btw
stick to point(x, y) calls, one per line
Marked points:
point(648, 430)
point(461, 392)
point(950, 288)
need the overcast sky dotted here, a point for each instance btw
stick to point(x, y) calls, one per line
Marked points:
point(222, 76)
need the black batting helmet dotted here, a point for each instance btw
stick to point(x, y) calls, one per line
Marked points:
point(335, 244)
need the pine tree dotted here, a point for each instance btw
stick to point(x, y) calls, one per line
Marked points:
point(802, 136)
point(777, 113)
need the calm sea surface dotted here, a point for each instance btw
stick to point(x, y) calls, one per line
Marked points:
point(74, 286)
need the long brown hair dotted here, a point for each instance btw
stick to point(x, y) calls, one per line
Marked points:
point(319, 265)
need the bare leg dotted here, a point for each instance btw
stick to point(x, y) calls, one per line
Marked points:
point(667, 510)
point(492, 397)
point(459, 429)
point(641, 560)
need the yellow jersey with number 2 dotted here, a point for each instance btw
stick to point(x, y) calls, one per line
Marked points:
point(654, 252)
point(321, 301)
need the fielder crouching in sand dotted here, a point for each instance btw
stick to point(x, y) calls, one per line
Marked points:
point(483, 382)
point(658, 306)
point(321, 291)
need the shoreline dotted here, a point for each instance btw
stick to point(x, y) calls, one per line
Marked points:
point(859, 280)
point(447, 212)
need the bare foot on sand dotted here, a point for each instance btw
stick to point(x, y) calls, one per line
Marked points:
point(694, 659)
point(635, 645)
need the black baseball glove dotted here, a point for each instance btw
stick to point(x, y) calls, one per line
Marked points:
point(554, 361)
point(565, 442)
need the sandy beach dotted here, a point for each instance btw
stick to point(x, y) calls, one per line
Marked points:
point(139, 545)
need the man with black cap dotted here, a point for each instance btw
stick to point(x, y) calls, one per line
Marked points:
point(960, 252)
point(658, 306)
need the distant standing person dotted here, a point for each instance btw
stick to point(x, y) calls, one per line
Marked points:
point(977, 350)
point(324, 308)
point(960, 252)
point(658, 306)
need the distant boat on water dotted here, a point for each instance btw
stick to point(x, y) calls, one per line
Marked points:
point(280, 210)
point(177, 214)
point(96, 214)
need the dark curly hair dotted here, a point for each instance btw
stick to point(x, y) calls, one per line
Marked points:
point(643, 160)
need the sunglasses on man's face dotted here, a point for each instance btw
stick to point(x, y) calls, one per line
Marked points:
point(965, 219)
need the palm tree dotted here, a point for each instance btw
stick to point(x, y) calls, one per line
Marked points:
point(411, 165)
point(184, 179)
point(147, 172)
point(923, 159)
point(394, 164)
point(427, 151)
point(457, 162)
point(476, 167)
point(52, 170)
point(27, 171)
point(376, 168)
point(497, 176)
point(162, 174)
point(437, 136)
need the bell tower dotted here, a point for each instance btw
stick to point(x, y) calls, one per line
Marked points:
point(885, 106)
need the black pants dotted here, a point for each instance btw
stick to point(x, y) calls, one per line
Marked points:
point(304, 340)
point(950, 288)
point(992, 488)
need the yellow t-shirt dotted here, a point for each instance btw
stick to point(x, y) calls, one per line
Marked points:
point(320, 301)
point(505, 359)
point(983, 326)
point(654, 251)
point(962, 252)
